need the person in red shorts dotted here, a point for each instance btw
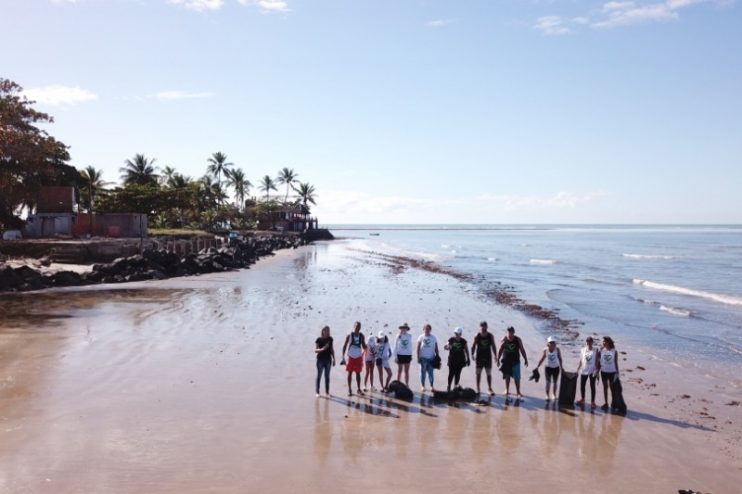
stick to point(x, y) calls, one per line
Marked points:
point(353, 348)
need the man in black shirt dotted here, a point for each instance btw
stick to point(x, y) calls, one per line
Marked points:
point(483, 349)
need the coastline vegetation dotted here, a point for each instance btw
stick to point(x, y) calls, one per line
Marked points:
point(30, 159)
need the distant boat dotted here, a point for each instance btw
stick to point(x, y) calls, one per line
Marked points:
point(374, 234)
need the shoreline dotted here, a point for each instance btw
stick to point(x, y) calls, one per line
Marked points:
point(178, 360)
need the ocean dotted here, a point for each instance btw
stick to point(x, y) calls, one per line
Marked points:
point(675, 290)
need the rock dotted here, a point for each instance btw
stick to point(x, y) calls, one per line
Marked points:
point(66, 278)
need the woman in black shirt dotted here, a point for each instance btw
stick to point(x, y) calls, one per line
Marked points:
point(325, 358)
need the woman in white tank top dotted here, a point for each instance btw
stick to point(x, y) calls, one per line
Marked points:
point(608, 366)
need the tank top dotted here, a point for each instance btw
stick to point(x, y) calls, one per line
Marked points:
point(552, 358)
point(511, 351)
point(588, 359)
point(355, 348)
point(608, 360)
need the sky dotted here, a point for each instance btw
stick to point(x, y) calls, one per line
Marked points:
point(407, 111)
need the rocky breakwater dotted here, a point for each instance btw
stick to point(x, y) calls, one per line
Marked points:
point(150, 265)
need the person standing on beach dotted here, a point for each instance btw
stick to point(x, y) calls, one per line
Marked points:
point(553, 358)
point(587, 369)
point(511, 348)
point(403, 353)
point(483, 349)
point(458, 357)
point(383, 352)
point(369, 357)
point(608, 367)
point(325, 358)
point(355, 345)
point(427, 350)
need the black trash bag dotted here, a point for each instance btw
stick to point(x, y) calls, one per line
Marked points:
point(400, 390)
point(465, 394)
point(437, 362)
point(443, 396)
point(567, 389)
point(618, 405)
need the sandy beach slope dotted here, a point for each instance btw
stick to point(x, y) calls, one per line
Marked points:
point(205, 385)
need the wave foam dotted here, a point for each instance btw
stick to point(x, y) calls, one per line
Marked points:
point(543, 262)
point(716, 297)
point(647, 256)
point(675, 312)
point(491, 259)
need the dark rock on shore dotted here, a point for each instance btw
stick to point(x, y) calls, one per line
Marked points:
point(152, 265)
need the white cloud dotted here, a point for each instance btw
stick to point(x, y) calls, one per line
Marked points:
point(440, 22)
point(175, 95)
point(621, 13)
point(60, 95)
point(343, 206)
point(551, 25)
point(268, 5)
point(199, 5)
point(560, 200)
point(629, 13)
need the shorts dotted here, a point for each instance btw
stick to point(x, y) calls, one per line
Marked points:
point(552, 373)
point(354, 364)
point(515, 371)
point(404, 359)
point(488, 370)
point(484, 362)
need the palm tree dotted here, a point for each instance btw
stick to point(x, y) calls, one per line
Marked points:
point(267, 185)
point(140, 171)
point(179, 181)
point(287, 176)
point(218, 165)
point(167, 175)
point(93, 183)
point(306, 193)
point(236, 179)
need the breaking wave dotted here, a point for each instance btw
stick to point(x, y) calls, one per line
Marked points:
point(675, 311)
point(716, 297)
point(542, 262)
point(647, 256)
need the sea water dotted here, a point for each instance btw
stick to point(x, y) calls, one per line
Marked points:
point(673, 289)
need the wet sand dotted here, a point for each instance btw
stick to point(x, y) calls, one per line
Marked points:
point(206, 384)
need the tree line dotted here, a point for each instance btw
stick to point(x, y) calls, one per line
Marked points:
point(31, 159)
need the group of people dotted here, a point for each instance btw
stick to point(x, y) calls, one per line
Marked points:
point(374, 354)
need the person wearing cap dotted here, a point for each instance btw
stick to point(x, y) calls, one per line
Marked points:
point(458, 357)
point(553, 358)
point(511, 348)
point(427, 350)
point(355, 345)
point(403, 353)
point(483, 349)
point(383, 352)
point(587, 369)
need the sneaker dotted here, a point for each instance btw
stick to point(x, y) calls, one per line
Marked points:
point(604, 407)
point(359, 392)
point(492, 393)
point(548, 398)
point(593, 406)
point(581, 402)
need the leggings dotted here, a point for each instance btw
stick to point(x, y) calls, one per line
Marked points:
point(426, 367)
point(323, 366)
point(583, 380)
point(454, 374)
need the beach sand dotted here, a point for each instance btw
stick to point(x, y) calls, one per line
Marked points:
point(206, 385)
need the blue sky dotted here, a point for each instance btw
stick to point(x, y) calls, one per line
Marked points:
point(407, 111)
